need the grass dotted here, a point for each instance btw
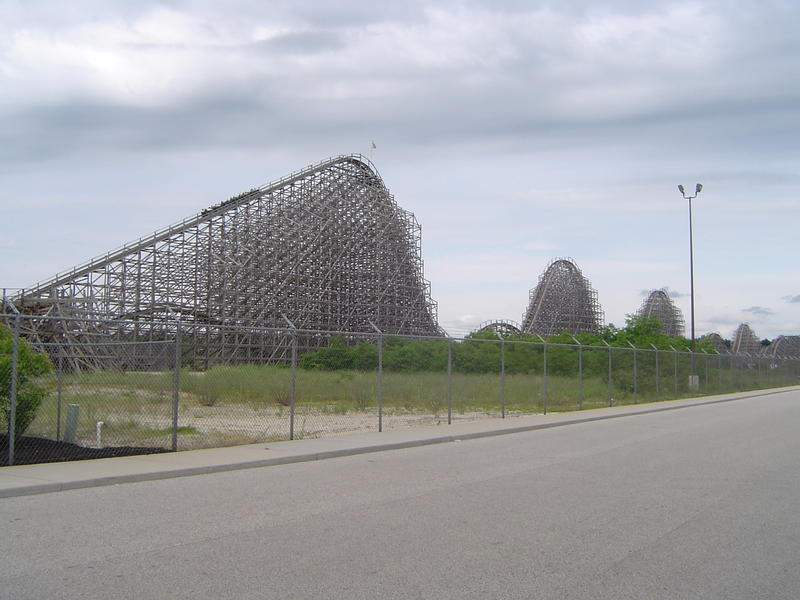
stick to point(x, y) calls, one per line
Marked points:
point(228, 405)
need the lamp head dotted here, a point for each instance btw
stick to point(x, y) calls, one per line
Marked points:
point(680, 188)
point(698, 188)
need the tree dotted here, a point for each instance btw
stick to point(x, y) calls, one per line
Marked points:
point(30, 365)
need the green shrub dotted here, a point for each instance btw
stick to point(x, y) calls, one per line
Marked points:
point(30, 365)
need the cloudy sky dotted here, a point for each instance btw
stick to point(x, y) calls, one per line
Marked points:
point(516, 131)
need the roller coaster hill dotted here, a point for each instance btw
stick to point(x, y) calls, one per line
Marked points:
point(323, 249)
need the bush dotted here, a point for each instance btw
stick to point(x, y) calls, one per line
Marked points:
point(30, 364)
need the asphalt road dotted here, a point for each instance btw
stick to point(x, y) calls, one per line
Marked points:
point(702, 502)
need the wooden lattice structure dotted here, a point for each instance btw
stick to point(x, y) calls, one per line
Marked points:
point(745, 341)
point(326, 248)
point(563, 300)
point(717, 342)
point(658, 304)
point(501, 327)
point(784, 345)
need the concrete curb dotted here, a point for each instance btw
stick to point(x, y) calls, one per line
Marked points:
point(43, 488)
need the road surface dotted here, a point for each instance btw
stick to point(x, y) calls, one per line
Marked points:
point(702, 502)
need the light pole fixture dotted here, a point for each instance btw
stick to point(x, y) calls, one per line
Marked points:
point(697, 189)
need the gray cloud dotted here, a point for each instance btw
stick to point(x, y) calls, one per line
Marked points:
point(721, 320)
point(759, 310)
point(304, 42)
point(670, 292)
point(792, 299)
point(424, 86)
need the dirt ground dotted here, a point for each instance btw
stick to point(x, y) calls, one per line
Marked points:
point(208, 427)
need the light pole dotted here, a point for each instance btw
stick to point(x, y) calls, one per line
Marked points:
point(697, 189)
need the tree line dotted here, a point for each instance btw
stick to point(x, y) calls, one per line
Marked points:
point(481, 352)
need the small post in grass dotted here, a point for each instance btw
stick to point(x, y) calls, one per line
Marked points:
point(71, 429)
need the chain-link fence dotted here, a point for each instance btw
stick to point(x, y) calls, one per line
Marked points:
point(72, 390)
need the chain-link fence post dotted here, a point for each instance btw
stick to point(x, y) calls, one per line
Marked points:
point(635, 374)
point(544, 375)
point(502, 379)
point(379, 383)
point(758, 371)
point(730, 371)
point(292, 377)
point(581, 388)
point(449, 381)
point(675, 375)
point(12, 396)
point(293, 386)
point(775, 370)
point(744, 367)
point(658, 375)
point(176, 383)
point(610, 397)
point(59, 386)
point(12, 384)
point(580, 372)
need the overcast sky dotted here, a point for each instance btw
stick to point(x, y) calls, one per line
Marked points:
point(516, 131)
